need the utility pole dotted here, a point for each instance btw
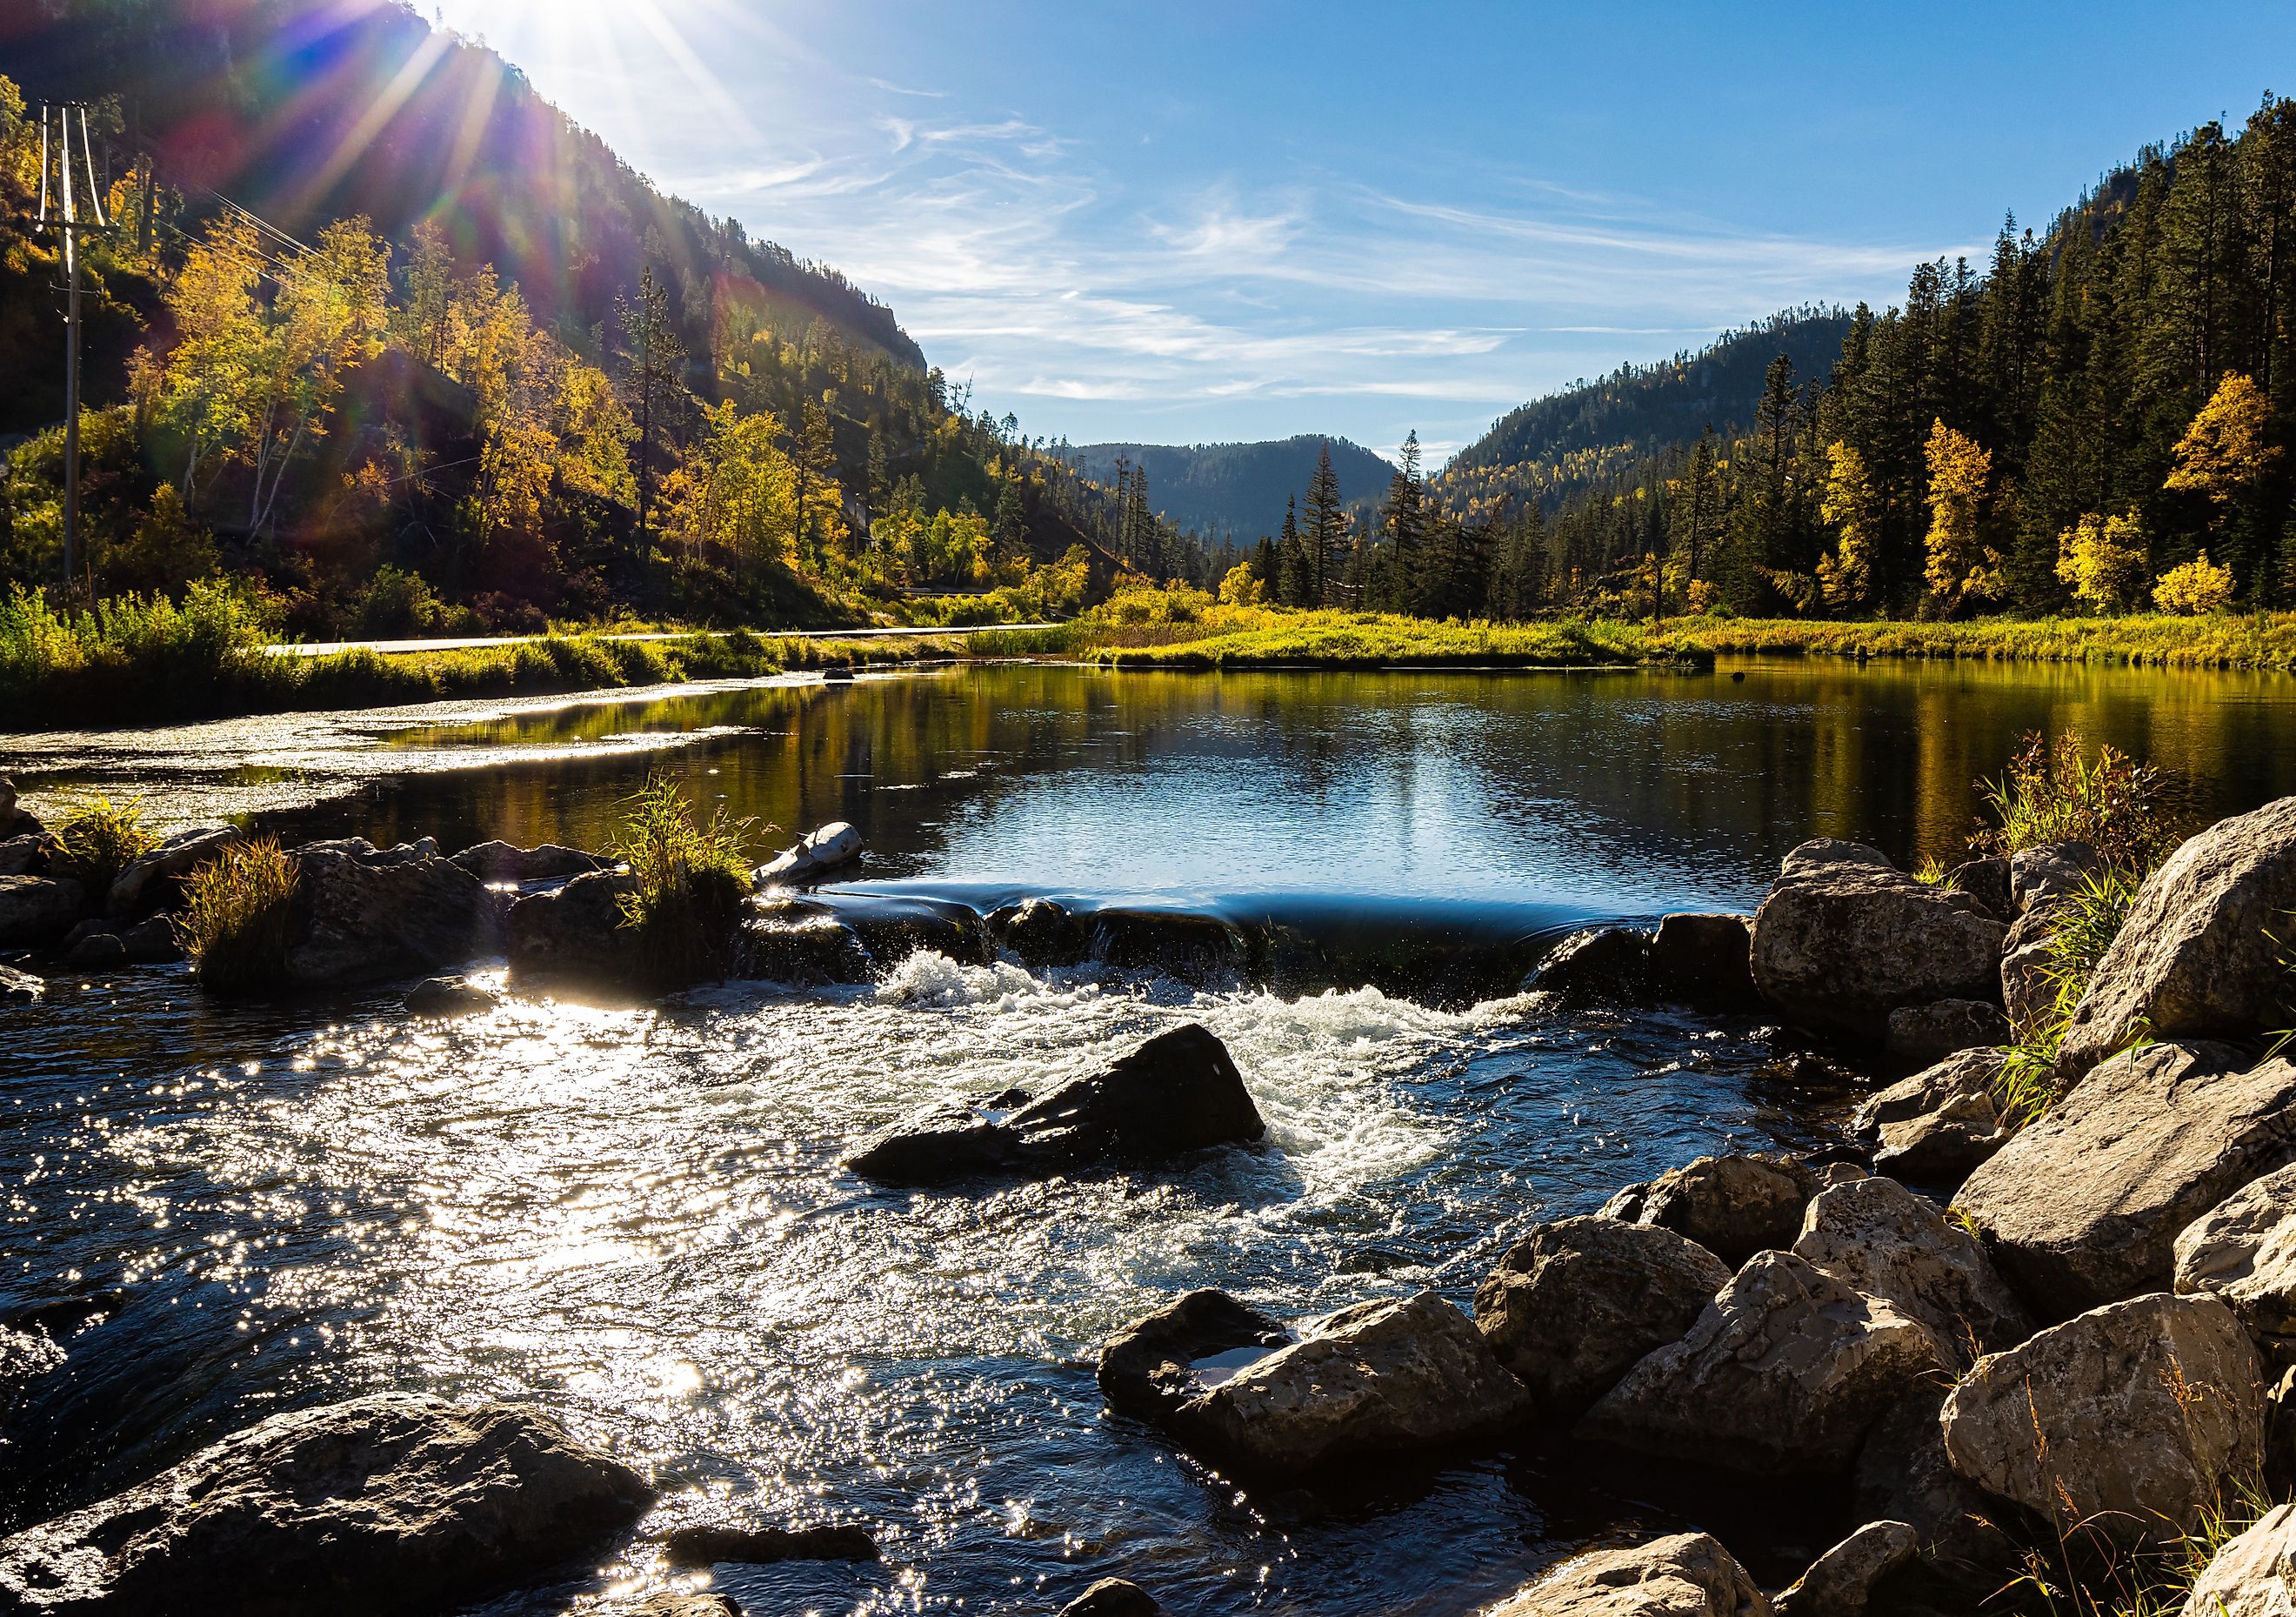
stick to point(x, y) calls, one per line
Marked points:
point(69, 227)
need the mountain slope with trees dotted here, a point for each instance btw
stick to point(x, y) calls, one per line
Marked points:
point(1234, 491)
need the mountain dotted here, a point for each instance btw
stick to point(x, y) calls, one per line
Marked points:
point(1236, 490)
point(1567, 442)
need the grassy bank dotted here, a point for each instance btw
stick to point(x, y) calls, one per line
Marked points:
point(2256, 640)
point(150, 661)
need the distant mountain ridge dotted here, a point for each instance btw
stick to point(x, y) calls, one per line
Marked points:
point(1236, 490)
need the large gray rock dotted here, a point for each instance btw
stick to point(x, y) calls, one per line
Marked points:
point(575, 934)
point(1902, 1475)
point(2051, 871)
point(2132, 1418)
point(1687, 1575)
point(1733, 1206)
point(1575, 1304)
point(2029, 985)
point(35, 910)
point(1922, 1035)
point(1842, 1581)
point(1702, 959)
point(1378, 1378)
point(2084, 1206)
point(820, 856)
point(2243, 1252)
point(1939, 1126)
point(499, 861)
point(2254, 1575)
point(1783, 1373)
point(1148, 1370)
point(1844, 939)
point(1179, 1092)
point(2197, 956)
point(362, 913)
point(381, 1506)
point(155, 881)
point(1877, 1237)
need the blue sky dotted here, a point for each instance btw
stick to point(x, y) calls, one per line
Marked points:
point(1189, 222)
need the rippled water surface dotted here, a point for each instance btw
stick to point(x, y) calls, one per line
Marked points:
point(636, 1215)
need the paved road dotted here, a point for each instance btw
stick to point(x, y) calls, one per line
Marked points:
point(393, 648)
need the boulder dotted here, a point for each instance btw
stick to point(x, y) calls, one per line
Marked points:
point(1939, 1126)
point(1179, 1092)
point(1151, 1368)
point(2242, 1252)
point(20, 988)
point(1704, 960)
point(2084, 1206)
point(155, 881)
point(2280, 1434)
point(1603, 965)
point(96, 951)
point(2254, 1575)
point(2050, 872)
point(1688, 1575)
point(2132, 1418)
point(362, 913)
point(893, 929)
point(703, 1603)
point(449, 997)
point(1783, 1373)
point(575, 933)
point(37, 910)
point(1377, 1378)
point(1188, 948)
point(1626, 1204)
point(1733, 1206)
point(1840, 1581)
point(2029, 988)
point(1986, 881)
point(804, 951)
point(1844, 939)
point(500, 861)
point(1922, 1035)
point(1902, 1475)
point(24, 855)
point(1113, 1597)
point(2197, 956)
point(1575, 1304)
point(1039, 933)
point(385, 1504)
point(711, 1544)
point(815, 859)
point(1878, 1238)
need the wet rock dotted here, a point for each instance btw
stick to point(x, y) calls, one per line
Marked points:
point(1842, 1581)
point(1733, 1206)
point(891, 930)
point(2242, 1252)
point(24, 855)
point(2196, 958)
point(1189, 949)
point(1148, 1370)
point(20, 987)
point(499, 861)
point(1040, 933)
point(363, 913)
point(1377, 1378)
point(1688, 1575)
point(1844, 939)
point(805, 951)
point(819, 856)
point(575, 933)
point(1603, 965)
point(1704, 960)
point(155, 881)
point(1936, 1117)
point(1903, 1475)
point(1579, 1302)
point(37, 910)
point(2130, 1417)
point(379, 1507)
point(95, 951)
point(2084, 1206)
point(2052, 872)
point(1783, 1373)
point(2254, 1575)
point(710, 1544)
point(1922, 1035)
point(704, 1604)
point(1113, 1597)
point(1877, 1237)
point(449, 997)
point(1179, 1092)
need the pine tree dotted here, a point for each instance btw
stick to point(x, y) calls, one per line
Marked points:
point(1404, 522)
point(1325, 533)
point(653, 359)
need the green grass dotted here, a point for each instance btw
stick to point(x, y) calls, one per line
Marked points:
point(693, 882)
point(234, 922)
point(100, 839)
point(2263, 640)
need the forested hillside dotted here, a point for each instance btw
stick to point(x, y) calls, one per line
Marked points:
point(1237, 491)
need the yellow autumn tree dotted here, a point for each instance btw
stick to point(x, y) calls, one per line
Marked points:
point(1961, 565)
point(1243, 586)
point(2195, 588)
point(2223, 453)
point(1849, 505)
point(2101, 559)
point(737, 491)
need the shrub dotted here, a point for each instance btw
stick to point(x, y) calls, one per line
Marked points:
point(233, 924)
point(693, 882)
point(2194, 590)
point(2054, 792)
point(99, 839)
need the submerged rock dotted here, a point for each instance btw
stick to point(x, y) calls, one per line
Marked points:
point(1575, 1305)
point(1733, 1206)
point(1844, 939)
point(827, 851)
point(2130, 1418)
point(1378, 1378)
point(2197, 956)
point(2242, 1252)
point(1784, 1372)
point(1179, 1092)
point(1922, 1035)
point(1113, 1597)
point(710, 1544)
point(1190, 948)
point(2252, 1576)
point(376, 1507)
point(1878, 1238)
point(1148, 1370)
point(1703, 959)
point(499, 861)
point(1687, 1575)
point(449, 997)
point(361, 913)
point(155, 881)
point(1842, 1581)
point(804, 950)
point(1040, 933)
point(2084, 1206)
point(36, 910)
